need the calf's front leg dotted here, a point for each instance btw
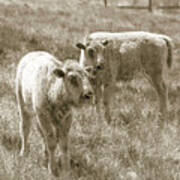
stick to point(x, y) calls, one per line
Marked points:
point(50, 138)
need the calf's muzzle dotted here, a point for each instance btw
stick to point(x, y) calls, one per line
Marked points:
point(88, 95)
point(99, 66)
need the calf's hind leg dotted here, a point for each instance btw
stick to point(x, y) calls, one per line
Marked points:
point(162, 91)
point(45, 146)
point(25, 122)
point(24, 128)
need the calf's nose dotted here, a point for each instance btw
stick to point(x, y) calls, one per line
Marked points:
point(88, 95)
point(100, 66)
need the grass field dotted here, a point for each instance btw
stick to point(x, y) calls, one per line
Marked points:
point(134, 144)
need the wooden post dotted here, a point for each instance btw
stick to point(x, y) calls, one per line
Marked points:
point(150, 6)
point(134, 2)
point(105, 3)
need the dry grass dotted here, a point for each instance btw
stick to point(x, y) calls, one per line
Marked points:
point(134, 143)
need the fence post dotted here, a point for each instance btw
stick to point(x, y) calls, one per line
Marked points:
point(105, 3)
point(150, 5)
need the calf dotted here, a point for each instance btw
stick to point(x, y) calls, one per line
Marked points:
point(50, 88)
point(117, 56)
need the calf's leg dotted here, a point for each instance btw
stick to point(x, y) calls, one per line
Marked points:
point(160, 86)
point(50, 138)
point(107, 93)
point(63, 131)
point(45, 146)
point(24, 128)
point(162, 91)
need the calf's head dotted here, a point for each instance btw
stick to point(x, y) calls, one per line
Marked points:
point(94, 53)
point(76, 81)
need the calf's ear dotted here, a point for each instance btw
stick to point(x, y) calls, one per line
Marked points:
point(59, 73)
point(81, 46)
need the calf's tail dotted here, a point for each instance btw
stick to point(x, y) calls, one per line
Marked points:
point(170, 50)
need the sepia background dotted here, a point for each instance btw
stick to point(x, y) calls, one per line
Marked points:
point(133, 146)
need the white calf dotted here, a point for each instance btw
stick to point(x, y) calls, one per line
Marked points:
point(117, 56)
point(50, 88)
